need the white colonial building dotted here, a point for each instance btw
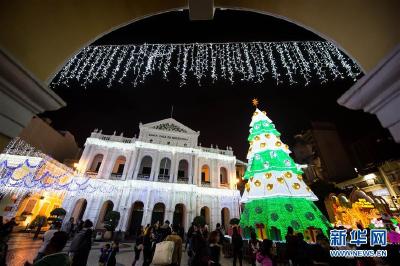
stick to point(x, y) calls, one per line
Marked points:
point(165, 175)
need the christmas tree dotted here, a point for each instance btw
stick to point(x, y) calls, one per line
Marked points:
point(275, 195)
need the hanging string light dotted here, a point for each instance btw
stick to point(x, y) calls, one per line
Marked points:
point(295, 62)
point(23, 169)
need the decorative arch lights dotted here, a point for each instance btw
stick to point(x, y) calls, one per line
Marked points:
point(292, 62)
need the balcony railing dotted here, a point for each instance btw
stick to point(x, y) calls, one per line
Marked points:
point(182, 180)
point(163, 178)
point(143, 176)
point(116, 175)
point(205, 184)
point(92, 174)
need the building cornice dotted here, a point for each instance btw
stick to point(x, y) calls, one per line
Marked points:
point(21, 96)
point(378, 92)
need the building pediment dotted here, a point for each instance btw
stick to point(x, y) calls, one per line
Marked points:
point(169, 125)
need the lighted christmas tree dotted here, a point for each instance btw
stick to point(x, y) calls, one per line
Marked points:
point(275, 195)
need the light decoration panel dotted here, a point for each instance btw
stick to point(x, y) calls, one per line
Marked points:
point(293, 62)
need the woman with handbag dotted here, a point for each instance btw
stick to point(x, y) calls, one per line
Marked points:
point(138, 246)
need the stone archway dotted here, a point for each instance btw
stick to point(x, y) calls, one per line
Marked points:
point(179, 216)
point(79, 209)
point(205, 212)
point(105, 208)
point(136, 217)
point(158, 213)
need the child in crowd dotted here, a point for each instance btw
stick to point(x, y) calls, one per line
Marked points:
point(105, 254)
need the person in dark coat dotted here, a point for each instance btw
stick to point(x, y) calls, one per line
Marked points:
point(291, 245)
point(148, 243)
point(81, 245)
point(139, 245)
point(237, 246)
point(112, 260)
point(199, 247)
point(303, 252)
point(215, 248)
point(53, 254)
point(220, 233)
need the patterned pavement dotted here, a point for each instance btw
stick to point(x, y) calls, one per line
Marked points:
point(22, 248)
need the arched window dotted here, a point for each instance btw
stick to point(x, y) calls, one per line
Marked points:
point(79, 209)
point(165, 169)
point(158, 213)
point(106, 208)
point(205, 212)
point(145, 168)
point(119, 166)
point(136, 217)
point(205, 175)
point(223, 176)
point(96, 163)
point(183, 169)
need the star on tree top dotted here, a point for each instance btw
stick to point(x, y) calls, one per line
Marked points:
point(254, 102)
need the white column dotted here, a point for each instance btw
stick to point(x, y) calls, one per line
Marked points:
point(174, 165)
point(104, 164)
point(154, 160)
point(92, 209)
point(132, 163)
point(148, 208)
point(86, 158)
point(138, 162)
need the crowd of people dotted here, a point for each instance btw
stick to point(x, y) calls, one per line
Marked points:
point(203, 247)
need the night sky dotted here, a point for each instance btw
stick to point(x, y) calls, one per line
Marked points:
point(220, 111)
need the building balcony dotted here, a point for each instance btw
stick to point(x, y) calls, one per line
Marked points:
point(205, 184)
point(182, 180)
point(143, 177)
point(163, 178)
point(116, 176)
point(92, 174)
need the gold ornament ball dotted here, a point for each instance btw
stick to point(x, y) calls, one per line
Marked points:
point(251, 178)
point(247, 186)
point(308, 189)
point(262, 145)
point(288, 174)
point(264, 112)
point(280, 180)
point(278, 143)
point(257, 183)
point(257, 138)
point(300, 177)
point(296, 186)
point(270, 186)
point(255, 113)
point(268, 175)
point(267, 136)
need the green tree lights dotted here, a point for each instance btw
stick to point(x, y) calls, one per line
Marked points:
point(275, 195)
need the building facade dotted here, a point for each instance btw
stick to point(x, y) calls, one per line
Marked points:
point(163, 174)
point(321, 149)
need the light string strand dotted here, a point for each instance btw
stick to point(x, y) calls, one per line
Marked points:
point(294, 62)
